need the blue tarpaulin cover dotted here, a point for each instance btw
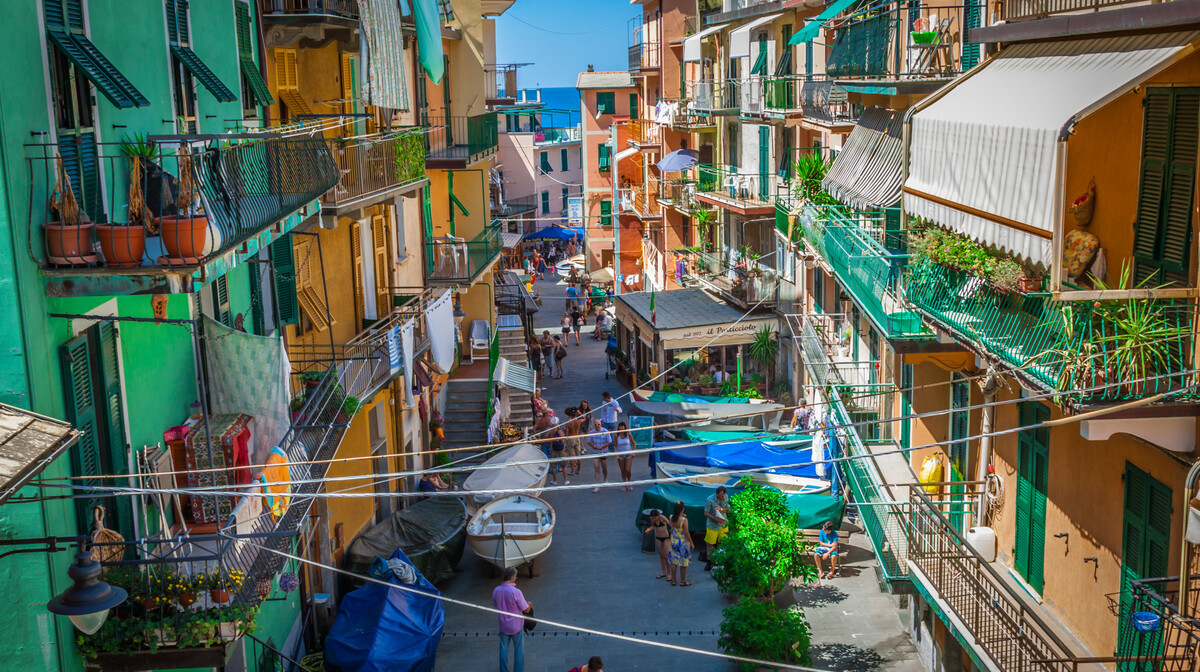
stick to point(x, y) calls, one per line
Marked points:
point(741, 455)
point(382, 629)
point(557, 233)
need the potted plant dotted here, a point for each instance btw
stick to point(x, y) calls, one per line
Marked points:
point(68, 240)
point(764, 349)
point(220, 585)
point(124, 245)
point(706, 384)
point(185, 233)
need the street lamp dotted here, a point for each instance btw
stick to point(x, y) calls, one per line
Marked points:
point(89, 599)
point(459, 313)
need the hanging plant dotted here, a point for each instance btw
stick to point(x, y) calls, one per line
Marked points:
point(288, 582)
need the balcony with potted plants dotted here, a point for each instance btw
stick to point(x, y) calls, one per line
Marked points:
point(737, 276)
point(166, 215)
point(375, 167)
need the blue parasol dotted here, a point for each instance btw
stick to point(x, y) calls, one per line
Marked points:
point(556, 233)
point(680, 159)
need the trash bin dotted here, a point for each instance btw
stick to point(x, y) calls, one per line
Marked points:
point(647, 536)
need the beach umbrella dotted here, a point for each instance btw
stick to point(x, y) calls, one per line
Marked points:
point(603, 275)
point(680, 159)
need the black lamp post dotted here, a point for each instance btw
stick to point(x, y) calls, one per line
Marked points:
point(88, 600)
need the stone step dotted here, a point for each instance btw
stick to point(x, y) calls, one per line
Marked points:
point(456, 385)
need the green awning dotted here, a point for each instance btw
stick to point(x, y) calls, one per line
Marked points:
point(810, 29)
point(202, 73)
point(814, 509)
point(98, 69)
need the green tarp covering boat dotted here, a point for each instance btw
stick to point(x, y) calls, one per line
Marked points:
point(814, 510)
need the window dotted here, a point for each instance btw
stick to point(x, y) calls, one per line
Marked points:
point(760, 62)
point(545, 202)
point(733, 159)
point(287, 83)
point(254, 89)
point(187, 68)
point(606, 102)
point(545, 162)
point(220, 301)
point(605, 154)
point(1163, 227)
point(565, 191)
point(380, 459)
point(1033, 457)
point(784, 66)
point(309, 298)
point(606, 213)
point(1145, 549)
point(562, 156)
point(633, 106)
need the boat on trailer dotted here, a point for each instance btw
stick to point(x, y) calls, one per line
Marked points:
point(512, 531)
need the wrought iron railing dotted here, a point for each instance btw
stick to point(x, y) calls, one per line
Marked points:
point(345, 9)
point(555, 135)
point(456, 261)
point(1016, 10)
point(1066, 346)
point(868, 270)
point(456, 137)
point(239, 188)
point(644, 132)
point(904, 40)
point(745, 283)
point(729, 183)
point(644, 42)
point(688, 117)
point(376, 164)
point(1175, 642)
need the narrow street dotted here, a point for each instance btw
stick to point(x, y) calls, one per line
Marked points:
point(596, 576)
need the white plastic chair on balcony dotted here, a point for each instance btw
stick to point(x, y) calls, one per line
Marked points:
point(480, 338)
point(451, 254)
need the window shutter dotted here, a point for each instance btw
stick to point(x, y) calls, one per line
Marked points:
point(383, 275)
point(760, 63)
point(784, 66)
point(606, 102)
point(349, 104)
point(605, 213)
point(562, 155)
point(241, 14)
point(110, 385)
point(604, 154)
point(544, 156)
point(1162, 234)
point(308, 298)
point(633, 106)
point(970, 51)
point(286, 76)
point(1177, 224)
point(257, 314)
point(1133, 544)
point(808, 57)
point(565, 192)
point(259, 92)
point(1158, 528)
point(221, 300)
point(79, 390)
point(284, 264)
point(545, 202)
point(360, 311)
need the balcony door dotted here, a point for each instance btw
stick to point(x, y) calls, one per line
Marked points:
point(764, 162)
point(1145, 549)
point(1033, 459)
point(960, 448)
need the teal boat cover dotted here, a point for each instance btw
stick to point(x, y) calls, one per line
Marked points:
point(677, 397)
point(814, 509)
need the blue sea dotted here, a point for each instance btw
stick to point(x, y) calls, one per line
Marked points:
point(559, 98)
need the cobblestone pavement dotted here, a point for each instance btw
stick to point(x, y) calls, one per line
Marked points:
point(594, 575)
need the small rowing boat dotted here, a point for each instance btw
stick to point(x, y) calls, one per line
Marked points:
point(511, 531)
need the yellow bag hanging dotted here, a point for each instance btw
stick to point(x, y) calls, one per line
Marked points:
point(931, 472)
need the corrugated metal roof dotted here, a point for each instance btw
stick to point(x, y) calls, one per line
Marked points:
point(28, 444)
point(681, 308)
point(604, 80)
point(866, 173)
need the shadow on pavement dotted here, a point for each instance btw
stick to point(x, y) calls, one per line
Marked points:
point(845, 657)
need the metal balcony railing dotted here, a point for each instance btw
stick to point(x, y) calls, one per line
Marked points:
point(745, 283)
point(1066, 346)
point(556, 135)
point(1177, 640)
point(827, 349)
point(343, 9)
point(514, 205)
point(644, 40)
point(688, 117)
point(644, 198)
point(644, 132)
point(714, 95)
point(501, 81)
point(461, 138)
point(376, 164)
point(239, 188)
point(1016, 10)
point(456, 261)
point(902, 40)
point(869, 271)
point(740, 187)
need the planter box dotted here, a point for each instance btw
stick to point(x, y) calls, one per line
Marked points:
point(164, 659)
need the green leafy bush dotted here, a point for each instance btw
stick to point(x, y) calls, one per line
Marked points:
point(759, 629)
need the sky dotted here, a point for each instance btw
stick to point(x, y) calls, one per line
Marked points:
point(561, 37)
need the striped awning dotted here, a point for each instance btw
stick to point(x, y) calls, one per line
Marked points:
point(984, 156)
point(866, 173)
point(515, 376)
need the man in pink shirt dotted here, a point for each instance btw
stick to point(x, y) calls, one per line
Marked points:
point(508, 598)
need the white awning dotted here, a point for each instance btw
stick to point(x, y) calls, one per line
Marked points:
point(691, 45)
point(983, 159)
point(515, 376)
point(739, 39)
point(625, 153)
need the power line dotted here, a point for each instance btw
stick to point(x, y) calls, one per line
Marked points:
point(559, 32)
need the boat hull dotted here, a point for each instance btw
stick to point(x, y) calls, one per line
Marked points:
point(512, 531)
point(712, 477)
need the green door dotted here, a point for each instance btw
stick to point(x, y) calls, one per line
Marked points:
point(1033, 458)
point(1144, 552)
point(764, 162)
point(960, 451)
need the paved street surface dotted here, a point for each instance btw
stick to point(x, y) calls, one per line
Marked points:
point(596, 576)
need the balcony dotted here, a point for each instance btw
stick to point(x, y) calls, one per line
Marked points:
point(1085, 350)
point(644, 52)
point(339, 12)
point(246, 192)
point(1177, 642)
point(746, 193)
point(644, 199)
point(456, 262)
point(556, 135)
point(688, 119)
point(513, 206)
point(501, 83)
point(853, 248)
point(815, 98)
point(375, 167)
point(882, 45)
point(1019, 10)
point(744, 282)
point(458, 142)
point(825, 341)
point(644, 133)
point(714, 96)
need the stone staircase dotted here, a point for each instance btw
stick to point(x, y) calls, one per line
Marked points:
point(466, 415)
point(512, 348)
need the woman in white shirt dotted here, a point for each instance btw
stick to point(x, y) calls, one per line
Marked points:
point(624, 445)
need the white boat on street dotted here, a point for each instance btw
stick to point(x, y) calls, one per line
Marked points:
point(512, 531)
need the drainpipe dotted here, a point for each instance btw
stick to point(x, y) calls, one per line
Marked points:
point(615, 211)
point(988, 386)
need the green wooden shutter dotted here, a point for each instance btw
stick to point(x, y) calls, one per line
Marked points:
point(79, 391)
point(545, 161)
point(808, 57)
point(606, 102)
point(565, 193)
point(1177, 216)
point(221, 301)
point(67, 14)
point(784, 66)
point(259, 92)
point(119, 509)
point(1033, 458)
point(605, 157)
point(257, 313)
point(960, 450)
point(545, 202)
point(177, 21)
point(633, 106)
point(1163, 228)
point(764, 161)
point(562, 155)
point(284, 264)
point(606, 213)
point(82, 165)
point(1145, 550)
point(760, 63)
point(970, 50)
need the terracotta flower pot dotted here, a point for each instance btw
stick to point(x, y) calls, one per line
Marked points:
point(184, 237)
point(69, 245)
point(219, 595)
point(1030, 285)
point(187, 599)
point(123, 246)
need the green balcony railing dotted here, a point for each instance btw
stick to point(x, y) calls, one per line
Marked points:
point(739, 184)
point(867, 269)
point(461, 138)
point(450, 260)
point(1127, 349)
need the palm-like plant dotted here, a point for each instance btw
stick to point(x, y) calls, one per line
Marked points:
point(763, 350)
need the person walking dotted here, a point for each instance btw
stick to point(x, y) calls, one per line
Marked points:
point(547, 345)
point(680, 553)
point(716, 513)
point(572, 430)
point(560, 354)
point(565, 323)
point(572, 297)
point(509, 599)
point(609, 411)
point(600, 442)
point(558, 451)
point(541, 267)
point(624, 445)
point(662, 540)
point(535, 354)
point(576, 322)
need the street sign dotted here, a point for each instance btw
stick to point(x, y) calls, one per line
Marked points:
point(575, 210)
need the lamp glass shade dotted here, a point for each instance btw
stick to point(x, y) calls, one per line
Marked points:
point(89, 623)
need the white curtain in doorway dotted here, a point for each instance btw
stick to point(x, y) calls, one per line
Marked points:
point(406, 345)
